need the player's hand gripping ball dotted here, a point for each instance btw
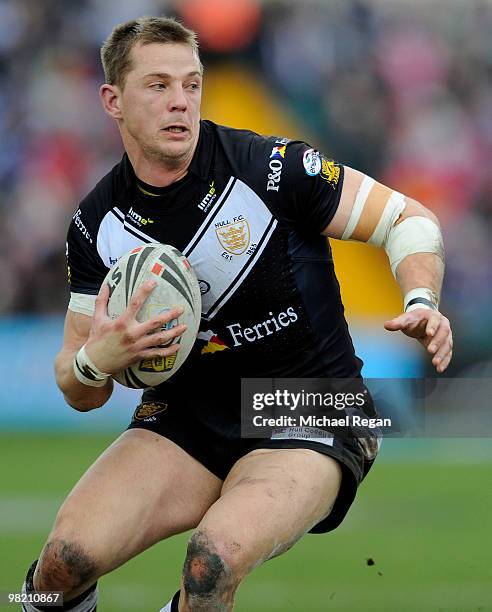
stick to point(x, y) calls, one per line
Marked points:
point(177, 286)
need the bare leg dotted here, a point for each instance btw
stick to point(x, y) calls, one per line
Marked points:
point(142, 489)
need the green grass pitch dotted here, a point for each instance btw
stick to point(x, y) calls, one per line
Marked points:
point(425, 524)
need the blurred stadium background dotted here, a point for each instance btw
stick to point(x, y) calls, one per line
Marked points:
point(401, 90)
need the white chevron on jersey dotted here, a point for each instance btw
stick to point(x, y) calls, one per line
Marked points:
point(117, 237)
point(223, 250)
point(228, 243)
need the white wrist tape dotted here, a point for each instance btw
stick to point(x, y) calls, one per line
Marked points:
point(83, 303)
point(87, 372)
point(413, 235)
point(421, 297)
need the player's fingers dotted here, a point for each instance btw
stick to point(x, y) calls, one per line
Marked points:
point(445, 362)
point(158, 321)
point(138, 299)
point(162, 337)
point(159, 351)
point(101, 308)
point(433, 322)
point(443, 349)
point(441, 335)
point(438, 361)
point(397, 323)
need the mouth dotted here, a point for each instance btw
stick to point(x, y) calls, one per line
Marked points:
point(175, 128)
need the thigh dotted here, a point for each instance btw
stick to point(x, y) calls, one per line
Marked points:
point(142, 489)
point(270, 499)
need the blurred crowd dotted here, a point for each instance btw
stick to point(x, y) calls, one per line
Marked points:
point(400, 90)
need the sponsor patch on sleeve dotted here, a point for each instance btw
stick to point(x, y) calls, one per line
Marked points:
point(312, 162)
point(330, 171)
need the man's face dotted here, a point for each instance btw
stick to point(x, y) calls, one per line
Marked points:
point(160, 101)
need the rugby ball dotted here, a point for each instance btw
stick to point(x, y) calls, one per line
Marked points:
point(177, 285)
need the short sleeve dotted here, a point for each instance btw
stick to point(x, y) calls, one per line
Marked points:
point(305, 186)
point(86, 270)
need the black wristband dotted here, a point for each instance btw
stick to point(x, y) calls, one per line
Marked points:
point(421, 300)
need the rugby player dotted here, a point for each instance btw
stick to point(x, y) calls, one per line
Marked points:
point(253, 215)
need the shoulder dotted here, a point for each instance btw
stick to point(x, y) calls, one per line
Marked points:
point(239, 145)
point(252, 156)
point(105, 193)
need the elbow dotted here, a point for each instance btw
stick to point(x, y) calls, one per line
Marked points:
point(416, 209)
point(81, 405)
point(90, 399)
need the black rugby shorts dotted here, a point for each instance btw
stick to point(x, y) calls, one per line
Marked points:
point(204, 425)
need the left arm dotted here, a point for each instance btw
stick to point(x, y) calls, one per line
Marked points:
point(410, 233)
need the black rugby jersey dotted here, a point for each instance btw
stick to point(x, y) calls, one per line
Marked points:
point(248, 216)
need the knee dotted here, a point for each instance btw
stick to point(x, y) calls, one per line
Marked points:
point(65, 566)
point(212, 569)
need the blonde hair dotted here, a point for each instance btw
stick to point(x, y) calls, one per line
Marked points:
point(116, 50)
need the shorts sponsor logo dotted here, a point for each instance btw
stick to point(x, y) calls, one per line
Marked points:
point(278, 152)
point(275, 175)
point(157, 364)
point(208, 200)
point(147, 409)
point(138, 219)
point(282, 141)
point(313, 434)
point(311, 162)
point(233, 234)
point(79, 224)
point(266, 328)
point(330, 172)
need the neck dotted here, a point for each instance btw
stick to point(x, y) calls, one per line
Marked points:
point(157, 171)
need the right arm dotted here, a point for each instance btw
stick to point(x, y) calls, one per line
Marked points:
point(79, 396)
point(112, 345)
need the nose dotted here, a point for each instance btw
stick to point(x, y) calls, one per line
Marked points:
point(177, 100)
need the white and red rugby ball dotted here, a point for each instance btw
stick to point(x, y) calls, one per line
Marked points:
point(177, 285)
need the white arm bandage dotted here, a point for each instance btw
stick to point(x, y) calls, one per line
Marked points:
point(378, 207)
point(413, 235)
point(83, 303)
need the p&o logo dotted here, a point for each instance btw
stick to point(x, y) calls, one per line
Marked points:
point(275, 165)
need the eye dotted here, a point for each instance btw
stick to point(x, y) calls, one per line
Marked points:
point(194, 86)
point(158, 86)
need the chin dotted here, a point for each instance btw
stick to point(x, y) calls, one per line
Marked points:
point(172, 155)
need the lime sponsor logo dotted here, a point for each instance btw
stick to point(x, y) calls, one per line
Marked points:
point(209, 198)
point(138, 219)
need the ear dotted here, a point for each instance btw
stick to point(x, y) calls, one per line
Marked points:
point(111, 100)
